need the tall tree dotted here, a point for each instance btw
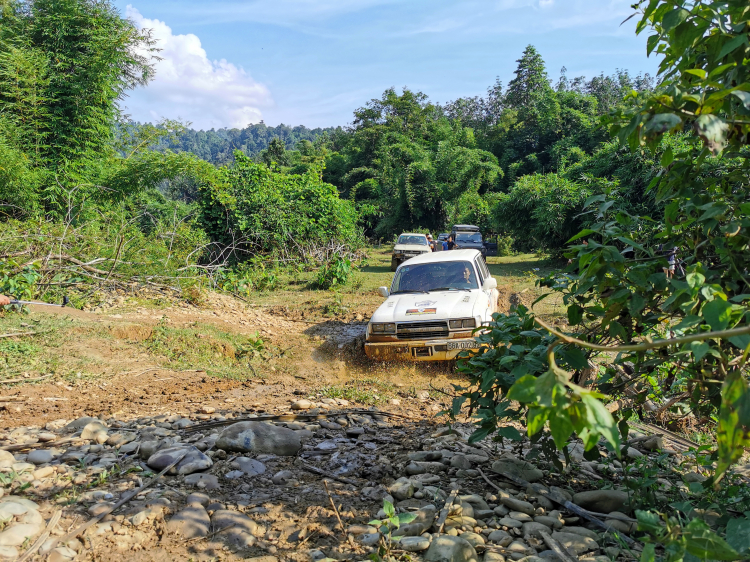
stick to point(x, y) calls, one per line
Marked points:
point(531, 80)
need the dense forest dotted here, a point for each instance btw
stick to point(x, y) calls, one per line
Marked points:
point(607, 172)
point(219, 146)
point(410, 164)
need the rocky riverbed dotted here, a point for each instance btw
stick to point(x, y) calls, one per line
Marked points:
point(306, 488)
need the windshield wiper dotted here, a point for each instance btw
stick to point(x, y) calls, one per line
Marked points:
point(409, 291)
point(447, 289)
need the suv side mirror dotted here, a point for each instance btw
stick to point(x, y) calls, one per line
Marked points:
point(383, 292)
point(489, 284)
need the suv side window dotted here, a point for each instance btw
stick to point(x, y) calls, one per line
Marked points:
point(484, 268)
point(480, 271)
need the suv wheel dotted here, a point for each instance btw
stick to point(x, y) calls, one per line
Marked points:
point(394, 264)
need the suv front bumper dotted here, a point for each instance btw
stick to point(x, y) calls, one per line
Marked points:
point(412, 350)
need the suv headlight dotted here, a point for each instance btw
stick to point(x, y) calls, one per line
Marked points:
point(463, 323)
point(381, 328)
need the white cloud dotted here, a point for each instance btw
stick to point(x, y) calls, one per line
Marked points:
point(190, 86)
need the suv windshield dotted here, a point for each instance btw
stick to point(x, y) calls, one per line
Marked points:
point(431, 276)
point(474, 237)
point(412, 239)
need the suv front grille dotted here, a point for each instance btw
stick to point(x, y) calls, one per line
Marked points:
point(421, 330)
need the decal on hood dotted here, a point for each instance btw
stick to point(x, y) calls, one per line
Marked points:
point(424, 303)
point(420, 311)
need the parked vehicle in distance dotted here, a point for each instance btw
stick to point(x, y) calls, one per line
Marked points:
point(468, 237)
point(435, 302)
point(408, 246)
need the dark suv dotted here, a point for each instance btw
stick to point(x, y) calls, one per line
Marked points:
point(468, 237)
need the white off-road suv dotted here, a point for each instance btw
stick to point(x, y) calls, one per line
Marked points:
point(434, 303)
point(408, 245)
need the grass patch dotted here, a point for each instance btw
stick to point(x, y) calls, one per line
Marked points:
point(217, 352)
point(364, 391)
point(33, 354)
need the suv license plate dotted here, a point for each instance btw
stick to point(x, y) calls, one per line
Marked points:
point(462, 345)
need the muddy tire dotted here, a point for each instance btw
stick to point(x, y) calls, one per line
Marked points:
point(394, 264)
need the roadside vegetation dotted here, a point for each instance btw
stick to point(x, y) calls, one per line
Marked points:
point(614, 174)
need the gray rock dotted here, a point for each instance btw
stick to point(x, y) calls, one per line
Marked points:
point(301, 404)
point(369, 539)
point(80, 423)
point(633, 453)
point(414, 544)
point(182, 423)
point(473, 538)
point(424, 520)
point(358, 529)
point(460, 461)
point(483, 514)
point(40, 456)
point(477, 502)
point(148, 448)
point(131, 447)
point(282, 477)
point(501, 511)
point(98, 508)
point(574, 542)
point(198, 499)
point(193, 461)
point(190, 523)
point(425, 456)
point(120, 439)
point(94, 431)
point(464, 509)
point(234, 474)
point(490, 556)
point(203, 481)
point(425, 467)
point(250, 467)
point(515, 504)
point(501, 537)
point(8, 553)
point(11, 509)
point(551, 522)
point(508, 522)
point(16, 535)
point(534, 529)
point(520, 516)
point(603, 501)
point(225, 519)
point(447, 548)
point(402, 489)
point(583, 531)
point(6, 459)
point(508, 464)
point(258, 437)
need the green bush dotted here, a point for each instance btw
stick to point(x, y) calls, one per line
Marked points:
point(336, 272)
point(255, 210)
point(542, 211)
point(504, 246)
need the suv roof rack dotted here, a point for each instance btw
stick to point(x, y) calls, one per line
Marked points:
point(465, 227)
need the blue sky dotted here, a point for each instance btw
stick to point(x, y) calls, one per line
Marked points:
point(313, 62)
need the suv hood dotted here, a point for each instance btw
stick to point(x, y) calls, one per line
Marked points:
point(419, 306)
point(410, 248)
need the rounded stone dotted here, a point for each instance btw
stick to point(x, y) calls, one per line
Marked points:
point(414, 544)
point(259, 437)
point(16, 535)
point(40, 456)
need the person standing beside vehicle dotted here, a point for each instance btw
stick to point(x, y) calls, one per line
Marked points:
point(431, 242)
point(449, 244)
